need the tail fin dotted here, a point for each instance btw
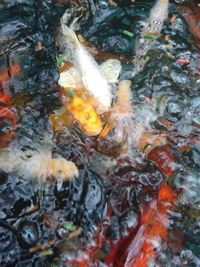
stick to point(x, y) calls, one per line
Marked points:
point(69, 33)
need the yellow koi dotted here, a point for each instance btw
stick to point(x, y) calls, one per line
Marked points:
point(84, 113)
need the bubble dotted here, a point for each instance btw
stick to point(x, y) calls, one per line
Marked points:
point(102, 5)
point(173, 108)
point(27, 234)
point(141, 40)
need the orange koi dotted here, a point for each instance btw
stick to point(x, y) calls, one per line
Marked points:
point(153, 231)
point(83, 112)
point(7, 112)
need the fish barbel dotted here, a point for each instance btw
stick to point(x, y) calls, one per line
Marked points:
point(92, 76)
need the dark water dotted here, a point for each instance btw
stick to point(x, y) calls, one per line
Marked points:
point(85, 201)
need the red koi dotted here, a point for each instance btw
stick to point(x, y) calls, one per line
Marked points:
point(163, 158)
point(153, 231)
point(7, 112)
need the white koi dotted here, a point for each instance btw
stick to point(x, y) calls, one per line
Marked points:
point(71, 77)
point(92, 76)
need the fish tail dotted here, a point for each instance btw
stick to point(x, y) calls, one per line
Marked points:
point(69, 33)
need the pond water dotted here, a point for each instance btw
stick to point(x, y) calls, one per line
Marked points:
point(126, 207)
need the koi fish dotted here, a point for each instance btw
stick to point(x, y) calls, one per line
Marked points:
point(70, 77)
point(150, 32)
point(125, 123)
point(92, 76)
point(153, 230)
point(83, 112)
point(87, 117)
point(36, 164)
point(8, 115)
point(116, 135)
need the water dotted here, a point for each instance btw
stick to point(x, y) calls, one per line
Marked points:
point(100, 217)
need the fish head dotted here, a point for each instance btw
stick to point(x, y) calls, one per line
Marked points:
point(84, 113)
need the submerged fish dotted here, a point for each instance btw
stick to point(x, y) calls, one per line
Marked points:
point(92, 76)
point(126, 123)
point(116, 136)
point(150, 32)
point(36, 164)
point(153, 232)
point(8, 120)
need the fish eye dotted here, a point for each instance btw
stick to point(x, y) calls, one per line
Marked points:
point(102, 5)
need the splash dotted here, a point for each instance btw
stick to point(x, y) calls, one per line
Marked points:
point(115, 138)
